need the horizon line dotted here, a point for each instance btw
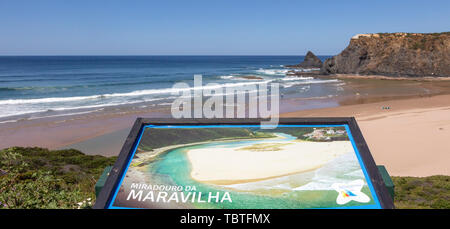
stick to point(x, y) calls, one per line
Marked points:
point(51, 55)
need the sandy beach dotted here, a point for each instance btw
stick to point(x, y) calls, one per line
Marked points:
point(410, 138)
point(234, 165)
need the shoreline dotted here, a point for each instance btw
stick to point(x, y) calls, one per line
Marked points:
point(385, 130)
point(382, 77)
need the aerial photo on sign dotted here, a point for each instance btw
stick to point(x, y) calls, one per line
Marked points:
point(245, 167)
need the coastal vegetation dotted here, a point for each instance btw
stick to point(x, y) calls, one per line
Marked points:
point(160, 137)
point(320, 134)
point(42, 178)
point(422, 192)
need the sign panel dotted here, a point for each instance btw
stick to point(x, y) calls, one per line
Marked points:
point(205, 165)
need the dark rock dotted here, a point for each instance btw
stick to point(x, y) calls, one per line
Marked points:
point(393, 54)
point(311, 61)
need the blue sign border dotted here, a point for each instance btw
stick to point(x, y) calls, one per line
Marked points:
point(377, 204)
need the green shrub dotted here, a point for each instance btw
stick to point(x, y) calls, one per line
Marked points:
point(40, 178)
point(422, 192)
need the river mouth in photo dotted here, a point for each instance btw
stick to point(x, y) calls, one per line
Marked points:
point(299, 187)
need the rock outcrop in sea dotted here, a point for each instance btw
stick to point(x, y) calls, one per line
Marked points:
point(393, 54)
point(310, 61)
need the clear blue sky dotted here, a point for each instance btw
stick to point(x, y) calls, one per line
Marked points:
point(211, 27)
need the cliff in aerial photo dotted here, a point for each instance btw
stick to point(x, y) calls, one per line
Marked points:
point(393, 54)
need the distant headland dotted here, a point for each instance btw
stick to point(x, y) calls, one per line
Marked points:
point(393, 55)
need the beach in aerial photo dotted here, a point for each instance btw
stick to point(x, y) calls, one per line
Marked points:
point(288, 167)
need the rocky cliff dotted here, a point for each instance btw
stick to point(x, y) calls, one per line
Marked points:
point(310, 61)
point(393, 54)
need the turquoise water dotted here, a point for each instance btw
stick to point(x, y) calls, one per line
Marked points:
point(173, 168)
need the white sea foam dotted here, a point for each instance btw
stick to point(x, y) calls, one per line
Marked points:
point(45, 100)
point(310, 69)
point(290, 84)
point(236, 77)
point(128, 94)
point(326, 176)
point(294, 78)
point(276, 72)
point(305, 69)
point(8, 121)
point(32, 110)
point(226, 77)
point(18, 107)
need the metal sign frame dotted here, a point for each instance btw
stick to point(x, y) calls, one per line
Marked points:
point(119, 169)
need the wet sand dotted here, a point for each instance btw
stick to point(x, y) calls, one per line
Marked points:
point(100, 133)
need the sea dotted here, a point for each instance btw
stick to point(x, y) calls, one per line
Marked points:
point(47, 86)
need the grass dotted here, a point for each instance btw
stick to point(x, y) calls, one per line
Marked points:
point(42, 178)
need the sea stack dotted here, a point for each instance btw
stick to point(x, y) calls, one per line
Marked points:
point(393, 54)
point(310, 61)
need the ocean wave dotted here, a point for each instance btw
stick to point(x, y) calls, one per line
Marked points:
point(164, 104)
point(16, 88)
point(89, 79)
point(290, 84)
point(46, 100)
point(295, 78)
point(9, 113)
point(226, 77)
point(73, 75)
point(243, 77)
point(275, 72)
point(9, 121)
point(70, 108)
point(326, 176)
point(306, 69)
point(40, 88)
point(127, 94)
point(31, 80)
